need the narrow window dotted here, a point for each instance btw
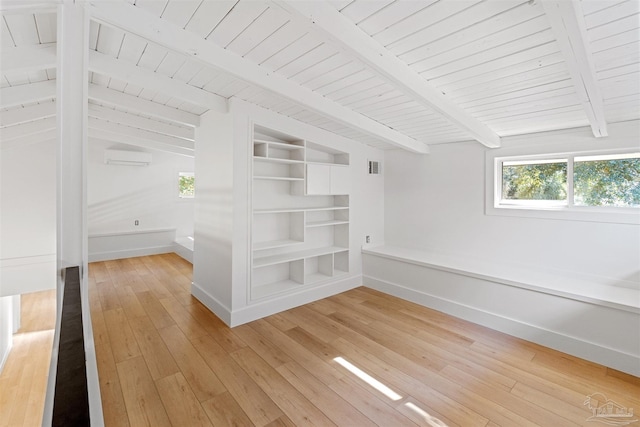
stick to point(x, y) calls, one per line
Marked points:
point(186, 185)
point(539, 180)
point(610, 180)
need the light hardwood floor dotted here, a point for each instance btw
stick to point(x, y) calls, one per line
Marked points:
point(164, 359)
point(23, 381)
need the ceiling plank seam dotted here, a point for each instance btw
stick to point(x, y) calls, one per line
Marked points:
point(132, 19)
point(342, 32)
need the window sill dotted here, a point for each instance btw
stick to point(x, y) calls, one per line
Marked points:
point(616, 216)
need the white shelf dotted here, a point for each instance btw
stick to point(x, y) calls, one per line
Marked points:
point(280, 145)
point(259, 246)
point(278, 178)
point(296, 242)
point(293, 256)
point(276, 160)
point(286, 210)
point(326, 164)
point(327, 208)
point(274, 288)
point(315, 277)
point(326, 223)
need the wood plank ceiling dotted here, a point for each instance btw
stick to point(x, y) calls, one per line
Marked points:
point(385, 73)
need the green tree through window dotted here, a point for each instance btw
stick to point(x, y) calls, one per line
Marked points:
point(543, 181)
point(614, 182)
point(186, 185)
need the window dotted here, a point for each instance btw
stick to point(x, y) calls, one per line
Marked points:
point(612, 180)
point(539, 180)
point(186, 185)
point(582, 185)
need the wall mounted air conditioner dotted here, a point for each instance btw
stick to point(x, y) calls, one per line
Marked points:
point(127, 158)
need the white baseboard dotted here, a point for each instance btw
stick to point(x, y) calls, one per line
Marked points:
point(183, 252)
point(130, 253)
point(5, 355)
point(219, 309)
point(274, 305)
point(552, 339)
point(284, 302)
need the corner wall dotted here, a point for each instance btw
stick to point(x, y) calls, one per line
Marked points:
point(119, 195)
point(436, 202)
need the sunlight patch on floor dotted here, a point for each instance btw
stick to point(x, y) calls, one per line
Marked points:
point(429, 419)
point(368, 379)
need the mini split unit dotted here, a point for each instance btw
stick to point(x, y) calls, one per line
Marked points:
point(127, 158)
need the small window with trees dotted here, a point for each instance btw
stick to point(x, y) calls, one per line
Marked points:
point(186, 185)
point(572, 182)
point(610, 180)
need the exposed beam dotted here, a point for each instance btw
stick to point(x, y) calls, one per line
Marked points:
point(28, 6)
point(150, 125)
point(101, 135)
point(567, 24)
point(333, 25)
point(140, 105)
point(24, 129)
point(139, 134)
point(28, 58)
point(27, 114)
point(24, 94)
point(128, 72)
point(135, 20)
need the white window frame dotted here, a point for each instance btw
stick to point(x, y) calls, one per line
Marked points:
point(562, 210)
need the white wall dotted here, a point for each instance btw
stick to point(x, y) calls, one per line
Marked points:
point(27, 217)
point(28, 196)
point(119, 195)
point(214, 213)
point(436, 202)
point(7, 321)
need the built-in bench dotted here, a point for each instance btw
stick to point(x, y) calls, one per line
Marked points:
point(620, 294)
point(579, 314)
point(183, 246)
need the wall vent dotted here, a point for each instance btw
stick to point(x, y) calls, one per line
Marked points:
point(375, 168)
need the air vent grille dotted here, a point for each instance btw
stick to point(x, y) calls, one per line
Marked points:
point(374, 168)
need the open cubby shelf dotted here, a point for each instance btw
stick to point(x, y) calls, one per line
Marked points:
point(300, 233)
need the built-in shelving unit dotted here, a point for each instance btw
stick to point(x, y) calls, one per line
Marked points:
point(300, 228)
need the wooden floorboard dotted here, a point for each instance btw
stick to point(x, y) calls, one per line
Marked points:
point(23, 380)
point(360, 358)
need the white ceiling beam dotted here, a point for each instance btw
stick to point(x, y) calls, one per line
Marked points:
point(322, 17)
point(27, 114)
point(141, 105)
point(28, 58)
point(135, 20)
point(150, 125)
point(128, 72)
point(101, 135)
point(25, 129)
point(140, 134)
point(28, 6)
point(567, 24)
point(23, 94)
